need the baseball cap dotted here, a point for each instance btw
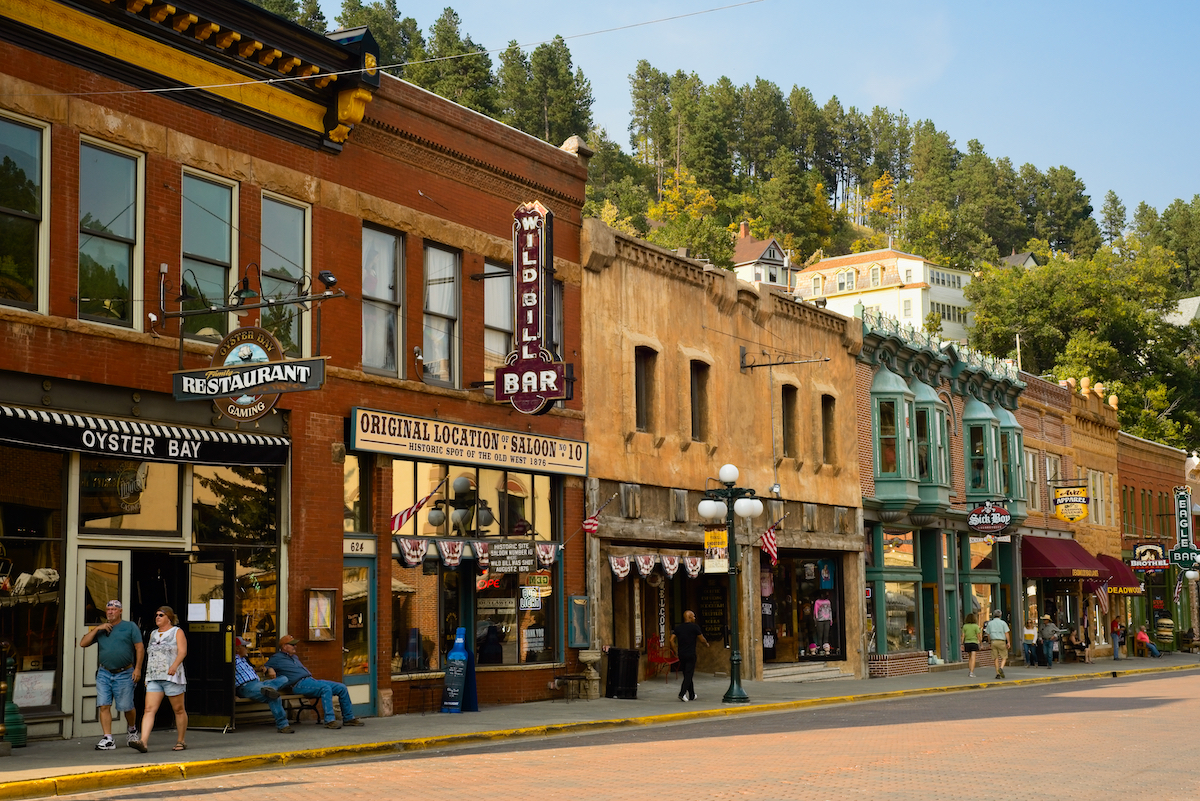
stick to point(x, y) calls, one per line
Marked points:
point(239, 640)
point(114, 604)
point(285, 639)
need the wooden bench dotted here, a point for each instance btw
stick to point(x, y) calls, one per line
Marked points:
point(294, 705)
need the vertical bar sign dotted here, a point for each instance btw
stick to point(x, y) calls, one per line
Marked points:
point(1183, 518)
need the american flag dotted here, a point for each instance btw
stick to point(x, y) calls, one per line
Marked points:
point(769, 544)
point(398, 520)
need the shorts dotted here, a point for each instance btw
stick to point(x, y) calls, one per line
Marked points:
point(168, 688)
point(1000, 649)
point(115, 689)
point(970, 647)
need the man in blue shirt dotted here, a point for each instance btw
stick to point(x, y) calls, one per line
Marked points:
point(250, 686)
point(119, 654)
point(285, 663)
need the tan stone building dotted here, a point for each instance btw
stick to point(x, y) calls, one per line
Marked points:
point(691, 369)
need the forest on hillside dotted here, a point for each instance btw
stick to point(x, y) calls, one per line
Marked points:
point(825, 179)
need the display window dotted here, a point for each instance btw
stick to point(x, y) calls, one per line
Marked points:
point(901, 604)
point(801, 605)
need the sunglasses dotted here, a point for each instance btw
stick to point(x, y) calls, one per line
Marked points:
point(160, 614)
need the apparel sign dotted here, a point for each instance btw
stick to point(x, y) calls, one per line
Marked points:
point(531, 378)
point(248, 373)
point(989, 518)
point(1070, 503)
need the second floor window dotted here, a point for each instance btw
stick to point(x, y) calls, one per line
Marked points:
point(977, 455)
point(699, 399)
point(283, 268)
point(888, 456)
point(21, 212)
point(816, 285)
point(108, 234)
point(440, 347)
point(1032, 488)
point(207, 252)
point(382, 266)
point(828, 429)
point(643, 388)
point(790, 422)
point(497, 317)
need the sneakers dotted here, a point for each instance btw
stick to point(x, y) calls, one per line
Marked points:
point(352, 722)
point(1000, 674)
point(694, 697)
point(681, 698)
point(970, 675)
point(132, 735)
point(333, 724)
point(286, 730)
point(270, 693)
point(106, 744)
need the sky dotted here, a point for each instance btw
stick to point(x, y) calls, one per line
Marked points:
point(1108, 89)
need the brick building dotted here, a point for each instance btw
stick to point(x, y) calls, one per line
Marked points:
point(367, 226)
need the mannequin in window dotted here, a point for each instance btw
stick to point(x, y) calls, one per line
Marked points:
point(823, 614)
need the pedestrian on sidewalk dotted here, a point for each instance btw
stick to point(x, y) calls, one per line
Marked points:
point(285, 663)
point(1118, 638)
point(1029, 645)
point(997, 632)
point(249, 685)
point(971, 634)
point(683, 639)
point(1049, 635)
point(165, 677)
point(119, 655)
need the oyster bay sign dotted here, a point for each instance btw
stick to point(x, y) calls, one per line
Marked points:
point(532, 377)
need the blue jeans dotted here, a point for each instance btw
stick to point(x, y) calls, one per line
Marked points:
point(253, 691)
point(325, 690)
point(1153, 649)
point(1048, 645)
point(1030, 650)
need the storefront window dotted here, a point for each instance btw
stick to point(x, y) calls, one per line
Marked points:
point(901, 616)
point(982, 556)
point(415, 618)
point(898, 549)
point(982, 602)
point(256, 599)
point(31, 531)
point(356, 637)
point(354, 511)
point(235, 505)
point(122, 496)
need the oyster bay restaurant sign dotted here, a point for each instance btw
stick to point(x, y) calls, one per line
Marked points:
point(412, 437)
point(532, 377)
point(247, 375)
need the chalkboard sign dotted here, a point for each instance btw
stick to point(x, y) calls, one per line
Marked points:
point(455, 682)
point(712, 609)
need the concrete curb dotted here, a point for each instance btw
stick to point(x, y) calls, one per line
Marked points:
point(113, 779)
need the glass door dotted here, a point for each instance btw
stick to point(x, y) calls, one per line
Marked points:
point(358, 633)
point(103, 577)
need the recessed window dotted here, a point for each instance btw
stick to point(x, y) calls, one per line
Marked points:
point(207, 252)
point(699, 397)
point(977, 455)
point(816, 285)
point(497, 317)
point(108, 234)
point(643, 386)
point(924, 454)
point(440, 347)
point(789, 410)
point(23, 207)
point(1032, 488)
point(828, 429)
point(908, 308)
point(875, 275)
point(888, 458)
point(382, 271)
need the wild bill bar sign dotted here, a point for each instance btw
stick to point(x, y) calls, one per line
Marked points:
point(532, 378)
point(247, 375)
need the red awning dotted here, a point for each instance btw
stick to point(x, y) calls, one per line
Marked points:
point(1123, 581)
point(1046, 558)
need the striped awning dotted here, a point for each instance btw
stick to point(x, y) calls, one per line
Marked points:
point(125, 438)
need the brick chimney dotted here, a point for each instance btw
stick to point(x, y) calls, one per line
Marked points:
point(744, 230)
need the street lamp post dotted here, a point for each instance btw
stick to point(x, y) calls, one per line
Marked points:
point(725, 503)
point(461, 508)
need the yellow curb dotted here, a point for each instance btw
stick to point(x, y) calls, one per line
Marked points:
point(111, 779)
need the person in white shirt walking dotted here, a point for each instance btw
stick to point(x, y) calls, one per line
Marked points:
point(997, 632)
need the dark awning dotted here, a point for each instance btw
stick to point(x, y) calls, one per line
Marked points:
point(1123, 581)
point(135, 439)
point(1046, 558)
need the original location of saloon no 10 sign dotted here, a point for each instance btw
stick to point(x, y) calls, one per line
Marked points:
point(532, 378)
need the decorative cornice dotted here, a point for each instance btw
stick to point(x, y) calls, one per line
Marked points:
point(437, 157)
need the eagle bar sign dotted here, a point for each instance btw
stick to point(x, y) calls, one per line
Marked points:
point(532, 378)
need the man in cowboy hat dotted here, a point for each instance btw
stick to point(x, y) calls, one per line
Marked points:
point(285, 663)
point(1049, 633)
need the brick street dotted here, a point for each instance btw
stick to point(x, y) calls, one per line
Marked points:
point(1126, 736)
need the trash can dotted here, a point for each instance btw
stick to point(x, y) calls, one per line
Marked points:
point(621, 681)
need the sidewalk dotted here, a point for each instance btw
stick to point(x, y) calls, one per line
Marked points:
point(61, 767)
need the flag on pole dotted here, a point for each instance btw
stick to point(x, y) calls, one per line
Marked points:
point(769, 544)
point(1179, 587)
point(398, 520)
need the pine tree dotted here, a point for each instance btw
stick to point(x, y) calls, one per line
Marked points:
point(453, 66)
point(398, 38)
point(1112, 218)
point(563, 96)
point(312, 17)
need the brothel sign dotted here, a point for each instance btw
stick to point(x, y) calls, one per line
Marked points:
point(532, 378)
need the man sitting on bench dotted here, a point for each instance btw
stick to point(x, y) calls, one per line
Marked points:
point(250, 686)
point(285, 663)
